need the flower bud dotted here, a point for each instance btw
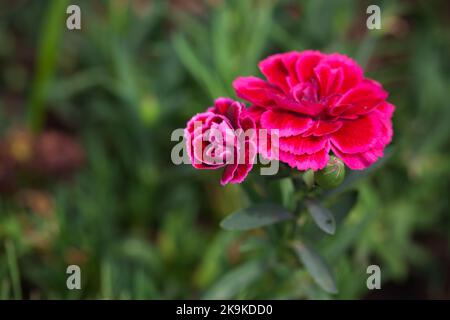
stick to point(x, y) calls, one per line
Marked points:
point(332, 175)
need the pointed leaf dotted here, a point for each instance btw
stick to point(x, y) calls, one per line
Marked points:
point(323, 217)
point(229, 285)
point(316, 266)
point(256, 216)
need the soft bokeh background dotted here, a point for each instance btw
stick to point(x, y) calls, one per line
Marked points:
point(85, 170)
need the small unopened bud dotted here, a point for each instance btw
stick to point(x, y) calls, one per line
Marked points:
point(332, 175)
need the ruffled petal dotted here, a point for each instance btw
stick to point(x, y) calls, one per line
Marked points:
point(323, 128)
point(386, 131)
point(330, 80)
point(386, 110)
point(221, 105)
point(362, 99)
point(228, 173)
point(287, 123)
point(359, 161)
point(255, 112)
point(306, 63)
point(315, 161)
point(301, 145)
point(352, 73)
point(255, 90)
point(275, 71)
point(238, 169)
point(285, 102)
point(356, 135)
point(230, 109)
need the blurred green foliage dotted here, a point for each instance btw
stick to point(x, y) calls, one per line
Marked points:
point(141, 227)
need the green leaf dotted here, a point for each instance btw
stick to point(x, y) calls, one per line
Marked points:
point(196, 67)
point(316, 266)
point(323, 217)
point(221, 36)
point(14, 271)
point(47, 57)
point(235, 280)
point(213, 262)
point(255, 217)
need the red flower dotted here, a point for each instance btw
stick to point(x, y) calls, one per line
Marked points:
point(222, 137)
point(319, 103)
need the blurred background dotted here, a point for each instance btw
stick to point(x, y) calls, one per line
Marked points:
point(85, 171)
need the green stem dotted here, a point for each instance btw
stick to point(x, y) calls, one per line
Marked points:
point(46, 61)
point(13, 269)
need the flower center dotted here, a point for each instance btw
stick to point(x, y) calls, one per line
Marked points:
point(305, 92)
point(308, 96)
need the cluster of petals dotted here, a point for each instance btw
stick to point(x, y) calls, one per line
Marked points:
point(317, 104)
point(214, 140)
point(320, 104)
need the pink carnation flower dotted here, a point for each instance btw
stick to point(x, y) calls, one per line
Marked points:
point(216, 138)
point(319, 103)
